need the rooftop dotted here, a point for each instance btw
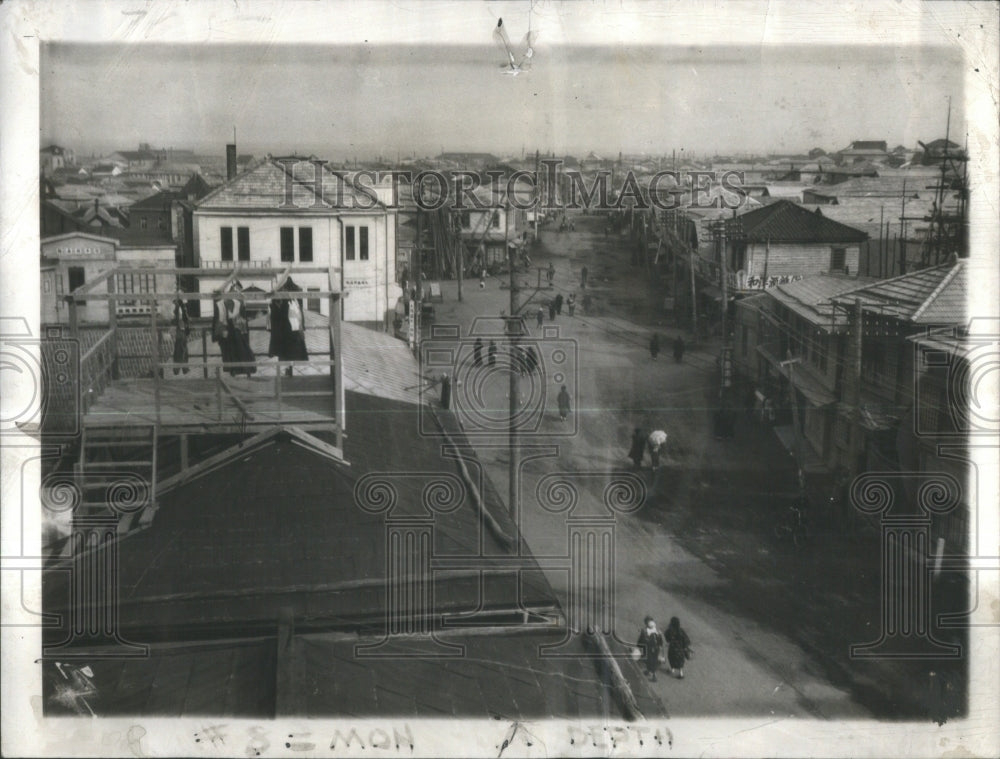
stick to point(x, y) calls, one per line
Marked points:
point(935, 295)
point(785, 221)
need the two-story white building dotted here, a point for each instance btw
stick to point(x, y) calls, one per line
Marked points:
point(290, 211)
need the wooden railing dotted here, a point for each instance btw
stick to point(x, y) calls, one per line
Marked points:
point(97, 368)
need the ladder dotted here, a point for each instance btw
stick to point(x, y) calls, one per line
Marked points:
point(116, 473)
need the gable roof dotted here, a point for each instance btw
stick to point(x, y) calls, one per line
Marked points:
point(936, 295)
point(263, 186)
point(811, 297)
point(785, 221)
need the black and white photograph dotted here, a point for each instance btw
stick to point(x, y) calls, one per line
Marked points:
point(522, 378)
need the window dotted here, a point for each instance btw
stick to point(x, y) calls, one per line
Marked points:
point(496, 220)
point(287, 244)
point(143, 222)
point(349, 243)
point(76, 277)
point(305, 244)
point(161, 224)
point(363, 246)
point(227, 243)
point(243, 243)
point(838, 257)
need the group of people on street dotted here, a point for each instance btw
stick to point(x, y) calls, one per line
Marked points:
point(651, 643)
point(477, 352)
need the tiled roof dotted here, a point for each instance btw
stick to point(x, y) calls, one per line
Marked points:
point(263, 186)
point(785, 221)
point(936, 295)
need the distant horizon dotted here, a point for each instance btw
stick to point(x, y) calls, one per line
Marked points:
point(347, 101)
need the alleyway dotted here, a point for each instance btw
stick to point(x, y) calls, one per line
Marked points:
point(702, 546)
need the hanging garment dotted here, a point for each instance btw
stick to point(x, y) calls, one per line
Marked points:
point(182, 329)
point(240, 336)
point(221, 333)
point(288, 340)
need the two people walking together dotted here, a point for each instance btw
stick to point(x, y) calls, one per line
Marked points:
point(651, 643)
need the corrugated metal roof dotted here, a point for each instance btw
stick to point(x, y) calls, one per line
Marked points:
point(936, 295)
point(811, 297)
point(785, 221)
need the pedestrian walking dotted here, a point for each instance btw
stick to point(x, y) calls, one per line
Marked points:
point(678, 647)
point(655, 442)
point(571, 303)
point(540, 316)
point(638, 449)
point(552, 310)
point(477, 352)
point(551, 273)
point(445, 392)
point(654, 346)
point(492, 352)
point(572, 226)
point(559, 302)
point(650, 647)
point(563, 403)
point(678, 348)
point(583, 278)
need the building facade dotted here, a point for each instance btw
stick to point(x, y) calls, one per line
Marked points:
point(290, 211)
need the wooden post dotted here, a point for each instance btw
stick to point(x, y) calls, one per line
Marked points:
point(694, 300)
point(156, 357)
point(74, 317)
point(184, 452)
point(338, 368)
point(204, 351)
point(218, 390)
point(460, 255)
point(513, 332)
point(113, 324)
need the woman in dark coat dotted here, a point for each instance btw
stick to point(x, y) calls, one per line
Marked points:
point(650, 645)
point(239, 333)
point(559, 302)
point(288, 342)
point(638, 449)
point(678, 348)
point(563, 403)
point(678, 647)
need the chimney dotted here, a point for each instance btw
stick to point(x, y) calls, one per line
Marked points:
point(230, 161)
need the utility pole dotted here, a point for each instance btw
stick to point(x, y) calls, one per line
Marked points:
point(790, 365)
point(694, 297)
point(456, 240)
point(537, 191)
point(513, 332)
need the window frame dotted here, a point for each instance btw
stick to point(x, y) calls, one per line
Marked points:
point(306, 244)
point(286, 244)
point(226, 249)
point(242, 243)
point(349, 242)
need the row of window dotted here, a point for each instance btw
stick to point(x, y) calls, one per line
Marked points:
point(355, 243)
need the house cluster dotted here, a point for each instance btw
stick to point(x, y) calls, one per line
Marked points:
point(830, 294)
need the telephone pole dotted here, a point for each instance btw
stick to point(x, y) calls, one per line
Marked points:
point(513, 333)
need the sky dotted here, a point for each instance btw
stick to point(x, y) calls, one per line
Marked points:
point(362, 100)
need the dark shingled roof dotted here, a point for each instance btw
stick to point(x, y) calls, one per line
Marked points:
point(785, 221)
